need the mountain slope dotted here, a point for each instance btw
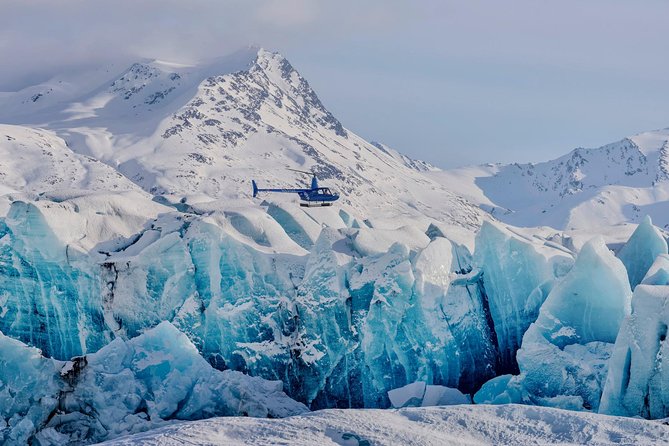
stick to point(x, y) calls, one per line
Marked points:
point(611, 185)
point(37, 161)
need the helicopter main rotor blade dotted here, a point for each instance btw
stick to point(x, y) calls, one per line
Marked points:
point(301, 171)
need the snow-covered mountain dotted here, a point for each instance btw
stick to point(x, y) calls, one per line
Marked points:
point(203, 132)
point(587, 188)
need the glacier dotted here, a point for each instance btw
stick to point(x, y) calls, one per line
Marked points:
point(333, 327)
point(337, 322)
point(280, 312)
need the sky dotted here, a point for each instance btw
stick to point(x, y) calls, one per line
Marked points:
point(451, 82)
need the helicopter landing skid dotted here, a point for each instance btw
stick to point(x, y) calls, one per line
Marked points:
point(314, 205)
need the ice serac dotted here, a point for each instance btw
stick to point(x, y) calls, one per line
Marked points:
point(424, 322)
point(367, 325)
point(324, 350)
point(518, 274)
point(451, 302)
point(29, 385)
point(126, 387)
point(49, 294)
point(233, 298)
point(564, 356)
point(638, 380)
point(640, 251)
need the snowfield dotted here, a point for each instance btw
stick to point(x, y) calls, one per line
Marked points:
point(439, 426)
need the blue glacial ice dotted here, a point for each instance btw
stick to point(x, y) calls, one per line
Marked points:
point(127, 386)
point(564, 354)
point(340, 324)
point(518, 275)
point(638, 380)
point(370, 324)
point(50, 296)
point(29, 386)
point(638, 254)
point(338, 312)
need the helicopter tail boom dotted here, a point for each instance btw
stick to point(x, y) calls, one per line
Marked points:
point(256, 189)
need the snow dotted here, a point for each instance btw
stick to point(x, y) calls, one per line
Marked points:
point(37, 161)
point(248, 115)
point(452, 425)
point(611, 185)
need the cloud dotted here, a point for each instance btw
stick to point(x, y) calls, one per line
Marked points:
point(287, 12)
point(494, 81)
point(40, 37)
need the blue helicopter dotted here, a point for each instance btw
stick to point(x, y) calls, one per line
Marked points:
point(316, 196)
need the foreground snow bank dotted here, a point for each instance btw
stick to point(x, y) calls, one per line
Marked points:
point(451, 425)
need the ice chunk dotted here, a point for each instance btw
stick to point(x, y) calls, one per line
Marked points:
point(421, 394)
point(565, 352)
point(638, 254)
point(409, 395)
point(499, 390)
point(636, 384)
point(517, 273)
point(126, 387)
point(444, 396)
point(29, 385)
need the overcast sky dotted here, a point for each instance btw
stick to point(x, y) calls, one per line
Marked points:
point(451, 82)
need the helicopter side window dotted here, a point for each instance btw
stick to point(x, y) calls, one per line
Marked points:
point(326, 191)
